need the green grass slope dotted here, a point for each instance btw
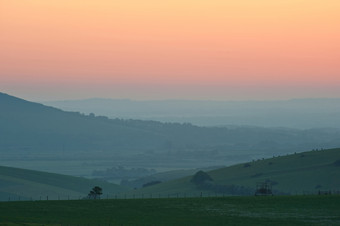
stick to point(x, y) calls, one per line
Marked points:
point(300, 173)
point(163, 177)
point(277, 210)
point(24, 184)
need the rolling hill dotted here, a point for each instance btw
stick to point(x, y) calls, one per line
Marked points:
point(34, 132)
point(24, 184)
point(28, 126)
point(300, 173)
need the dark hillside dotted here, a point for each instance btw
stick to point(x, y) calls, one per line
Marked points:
point(28, 129)
point(28, 126)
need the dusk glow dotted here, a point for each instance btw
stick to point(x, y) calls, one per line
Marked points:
point(245, 49)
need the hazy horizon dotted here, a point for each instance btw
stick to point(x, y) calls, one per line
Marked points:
point(45, 96)
point(207, 50)
point(294, 113)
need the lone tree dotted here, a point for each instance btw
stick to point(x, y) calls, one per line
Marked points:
point(95, 193)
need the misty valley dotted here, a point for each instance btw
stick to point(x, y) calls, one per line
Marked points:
point(38, 137)
point(50, 154)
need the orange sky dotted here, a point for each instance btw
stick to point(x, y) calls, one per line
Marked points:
point(187, 49)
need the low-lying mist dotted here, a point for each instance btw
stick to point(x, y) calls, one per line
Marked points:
point(298, 113)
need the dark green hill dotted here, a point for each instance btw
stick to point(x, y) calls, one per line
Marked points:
point(162, 177)
point(28, 184)
point(300, 173)
point(28, 126)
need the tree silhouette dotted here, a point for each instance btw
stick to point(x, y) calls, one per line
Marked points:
point(200, 178)
point(95, 193)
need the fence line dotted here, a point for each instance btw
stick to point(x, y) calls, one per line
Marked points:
point(129, 195)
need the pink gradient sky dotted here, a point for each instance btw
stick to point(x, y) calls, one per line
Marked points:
point(179, 49)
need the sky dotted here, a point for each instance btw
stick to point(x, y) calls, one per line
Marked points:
point(170, 49)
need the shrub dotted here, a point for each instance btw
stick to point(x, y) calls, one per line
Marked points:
point(200, 178)
point(337, 162)
point(246, 165)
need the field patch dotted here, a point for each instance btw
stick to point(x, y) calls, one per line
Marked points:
point(279, 210)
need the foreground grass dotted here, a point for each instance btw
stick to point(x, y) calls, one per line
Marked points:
point(283, 210)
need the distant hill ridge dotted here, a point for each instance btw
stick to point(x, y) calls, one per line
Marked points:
point(294, 113)
point(30, 129)
point(26, 126)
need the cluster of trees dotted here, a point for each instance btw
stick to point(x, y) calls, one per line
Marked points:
point(203, 181)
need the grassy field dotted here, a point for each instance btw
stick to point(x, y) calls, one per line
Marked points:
point(273, 210)
point(300, 173)
point(28, 184)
